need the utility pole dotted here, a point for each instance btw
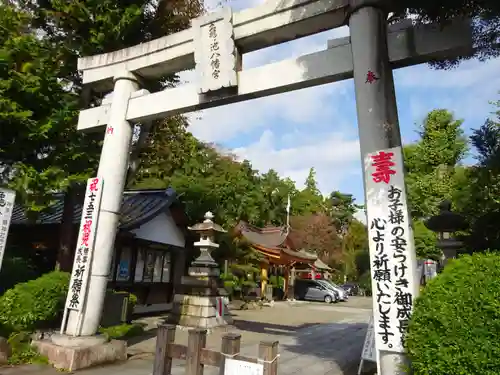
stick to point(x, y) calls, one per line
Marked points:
point(376, 109)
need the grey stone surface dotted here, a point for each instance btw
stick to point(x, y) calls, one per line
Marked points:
point(78, 341)
point(315, 339)
point(73, 358)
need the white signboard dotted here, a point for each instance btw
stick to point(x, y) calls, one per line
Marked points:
point(369, 353)
point(392, 254)
point(85, 245)
point(215, 52)
point(7, 199)
point(430, 268)
point(237, 367)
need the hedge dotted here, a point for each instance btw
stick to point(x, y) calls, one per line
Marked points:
point(35, 304)
point(455, 327)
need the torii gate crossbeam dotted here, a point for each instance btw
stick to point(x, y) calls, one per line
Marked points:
point(406, 46)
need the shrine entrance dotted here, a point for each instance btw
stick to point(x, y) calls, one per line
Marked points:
point(215, 46)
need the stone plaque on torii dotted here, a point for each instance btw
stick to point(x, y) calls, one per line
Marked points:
point(214, 46)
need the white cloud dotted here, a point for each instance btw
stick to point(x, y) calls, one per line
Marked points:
point(467, 75)
point(300, 107)
point(334, 156)
point(466, 91)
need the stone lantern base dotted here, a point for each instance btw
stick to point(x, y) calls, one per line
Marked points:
point(202, 300)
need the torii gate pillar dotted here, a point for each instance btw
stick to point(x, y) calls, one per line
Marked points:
point(113, 170)
point(378, 124)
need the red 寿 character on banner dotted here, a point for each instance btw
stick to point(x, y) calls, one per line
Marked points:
point(383, 163)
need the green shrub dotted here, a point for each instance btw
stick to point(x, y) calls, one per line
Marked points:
point(122, 331)
point(132, 301)
point(34, 304)
point(22, 350)
point(455, 327)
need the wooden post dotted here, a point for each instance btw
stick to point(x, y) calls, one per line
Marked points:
point(263, 279)
point(197, 339)
point(268, 355)
point(230, 347)
point(286, 284)
point(165, 337)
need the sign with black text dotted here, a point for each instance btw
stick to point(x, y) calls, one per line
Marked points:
point(392, 254)
point(368, 353)
point(7, 199)
point(85, 245)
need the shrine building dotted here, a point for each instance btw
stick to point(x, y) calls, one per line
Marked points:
point(278, 251)
point(149, 256)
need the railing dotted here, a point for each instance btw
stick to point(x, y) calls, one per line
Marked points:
point(197, 356)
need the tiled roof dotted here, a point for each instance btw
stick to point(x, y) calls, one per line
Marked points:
point(271, 237)
point(138, 207)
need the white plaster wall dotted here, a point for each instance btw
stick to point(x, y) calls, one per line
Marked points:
point(161, 229)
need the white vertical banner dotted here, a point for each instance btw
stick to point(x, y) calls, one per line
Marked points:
point(77, 292)
point(392, 251)
point(7, 199)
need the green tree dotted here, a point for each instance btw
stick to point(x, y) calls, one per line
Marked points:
point(425, 242)
point(275, 192)
point(478, 196)
point(342, 208)
point(485, 13)
point(40, 152)
point(309, 200)
point(40, 44)
point(431, 162)
point(356, 255)
point(40, 89)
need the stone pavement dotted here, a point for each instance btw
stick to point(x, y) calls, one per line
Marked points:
point(315, 338)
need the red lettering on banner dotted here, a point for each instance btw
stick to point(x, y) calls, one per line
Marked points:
point(86, 233)
point(93, 184)
point(383, 163)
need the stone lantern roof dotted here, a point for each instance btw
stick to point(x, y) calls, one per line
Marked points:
point(207, 225)
point(446, 221)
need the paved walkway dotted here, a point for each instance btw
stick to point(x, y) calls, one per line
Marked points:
point(315, 339)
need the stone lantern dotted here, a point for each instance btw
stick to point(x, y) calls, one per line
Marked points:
point(445, 224)
point(206, 244)
point(201, 300)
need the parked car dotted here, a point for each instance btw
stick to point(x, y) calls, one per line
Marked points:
point(342, 293)
point(314, 290)
point(351, 288)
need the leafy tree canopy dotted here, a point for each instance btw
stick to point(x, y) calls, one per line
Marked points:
point(485, 15)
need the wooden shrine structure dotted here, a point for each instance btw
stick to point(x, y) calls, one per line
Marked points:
point(275, 245)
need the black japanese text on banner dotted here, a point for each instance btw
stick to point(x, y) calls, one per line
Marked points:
point(85, 245)
point(392, 253)
point(7, 199)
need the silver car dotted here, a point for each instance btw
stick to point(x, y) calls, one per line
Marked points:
point(313, 290)
point(342, 293)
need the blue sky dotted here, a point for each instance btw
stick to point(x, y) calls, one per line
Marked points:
point(317, 127)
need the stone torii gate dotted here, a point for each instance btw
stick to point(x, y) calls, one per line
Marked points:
point(214, 46)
